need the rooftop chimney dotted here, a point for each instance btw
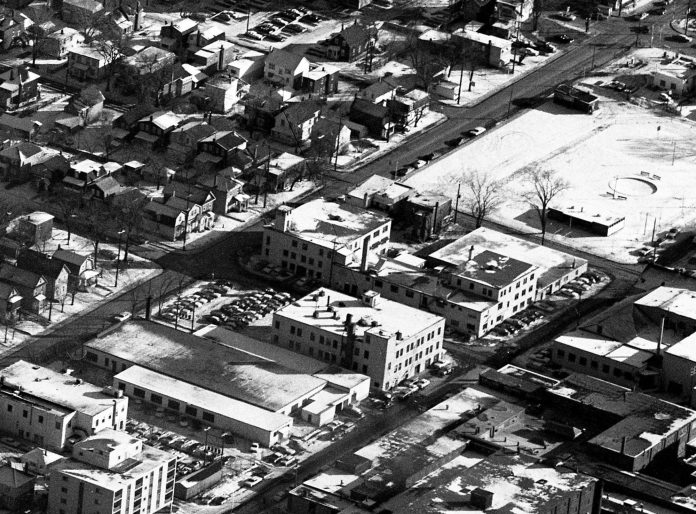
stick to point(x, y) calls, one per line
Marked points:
point(282, 219)
point(365, 249)
point(662, 334)
point(471, 252)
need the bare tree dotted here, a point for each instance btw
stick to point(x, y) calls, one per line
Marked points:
point(483, 195)
point(97, 222)
point(544, 186)
point(129, 219)
point(89, 23)
point(68, 209)
point(112, 52)
point(538, 7)
point(425, 65)
point(37, 32)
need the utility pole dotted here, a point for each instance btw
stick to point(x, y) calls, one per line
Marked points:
point(688, 13)
point(638, 33)
point(456, 203)
point(461, 79)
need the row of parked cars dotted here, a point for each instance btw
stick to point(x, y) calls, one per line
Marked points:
point(580, 285)
point(185, 307)
point(238, 313)
point(284, 24)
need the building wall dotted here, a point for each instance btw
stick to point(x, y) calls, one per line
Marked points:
point(321, 418)
point(315, 260)
point(69, 495)
point(27, 421)
point(594, 365)
point(209, 417)
point(677, 374)
point(384, 358)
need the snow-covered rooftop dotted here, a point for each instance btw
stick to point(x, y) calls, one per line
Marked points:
point(386, 318)
point(679, 302)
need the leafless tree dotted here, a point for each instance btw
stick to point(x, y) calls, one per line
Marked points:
point(89, 23)
point(37, 32)
point(425, 65)
point(112, 52)
point(129, 218)
point(538, 7)
point(97, 222)
point(544, 186)
point(483, 195)
point(68, 210)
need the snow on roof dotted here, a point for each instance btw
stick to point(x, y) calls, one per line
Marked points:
point(204, 399)
point(56, 388)
point(676, 301)
point(686, 348)
point(382, 187)
point(385, 319)
point(327, 223)
point(552, 263)
point(11, 478)
point(493, 269)
point(589, 343)
point(116, 479)
point(231, 372)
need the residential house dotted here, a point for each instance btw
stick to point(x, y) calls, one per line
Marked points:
point(293, 125)
point(219, 147)
point(490, 50)
point(81, 267)
point(82, 174)
point(128, 121)
point(285, 68)
point(124, 20)
point(30, 285)
point(19, 128)
point(228, 191)
point(378, 92)
point(177, 35)
point(351, 43)
point(223, 93)
point(106, 189)
point(49, 172)
point(81, 12)
point(150, 59)
point(407, 109)
point(13, 28)
point(55, 272)
point(375, 117)
point(87, 106)
point(329, 137)
point(87, 62)
point(17, 86)
point(195, 195)
point(154, 172)
point(33, 229)
point(183, 141)
point(16, 488)
point(59, 43)
point(181, 81)
point(260, 113)
point(320, 79)
point(164, 220)
point(378, 192)
point(17, 162)
point(10, 302)
point(251, 158)
point(156, 128)
point(279, 170)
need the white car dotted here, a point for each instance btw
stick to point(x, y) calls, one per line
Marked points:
point(252, 481)
point(422, 383)
point(567, 16)
point(525, 50)
point(477, 131)
point(125, 315)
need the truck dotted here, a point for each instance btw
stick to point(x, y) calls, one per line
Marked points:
point(575, 98)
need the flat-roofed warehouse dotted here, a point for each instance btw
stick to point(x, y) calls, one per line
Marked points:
point(215, 372)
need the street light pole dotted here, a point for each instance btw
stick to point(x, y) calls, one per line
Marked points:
point(118, 256)
point(186, 219)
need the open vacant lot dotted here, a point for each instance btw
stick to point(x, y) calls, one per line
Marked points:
point(595, 154)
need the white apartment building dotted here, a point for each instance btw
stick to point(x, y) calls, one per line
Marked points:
point(113, 473)
point(311, 239)
point(48, 408)
point(374, 336)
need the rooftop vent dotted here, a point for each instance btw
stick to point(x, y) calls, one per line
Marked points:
point(335, 217)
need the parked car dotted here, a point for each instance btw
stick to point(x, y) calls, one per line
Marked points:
point(252, 481)
point(422, 383)
point(564, 39)
point(566, 15)
point(125, 315)
point(682, 38)
point(476, 131)
point(528, 51)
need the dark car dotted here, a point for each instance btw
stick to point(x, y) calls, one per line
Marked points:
point(658, 11)
point(642, 29)
point(454, 142)
point(564, 39)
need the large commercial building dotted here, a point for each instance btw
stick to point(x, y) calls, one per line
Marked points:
point(383, 339)
point(635, 427)
point(645, 341)
point(223, 379)
point(113, 473)
point(475, 282)
point(311, 239)
point(50, 408)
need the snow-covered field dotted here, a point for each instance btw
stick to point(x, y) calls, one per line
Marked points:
point(591, 153)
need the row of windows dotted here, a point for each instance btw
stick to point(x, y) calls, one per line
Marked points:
point(583, 361)
point(171, 404)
